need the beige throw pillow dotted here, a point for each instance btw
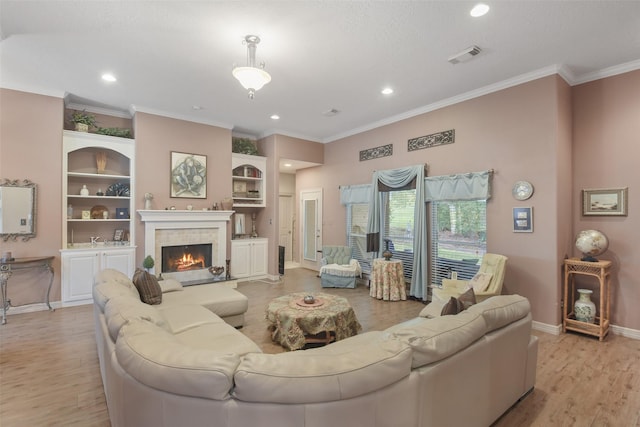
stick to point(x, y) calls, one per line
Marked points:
point(480, 282)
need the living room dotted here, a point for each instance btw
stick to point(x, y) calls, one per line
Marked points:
point(562, 135)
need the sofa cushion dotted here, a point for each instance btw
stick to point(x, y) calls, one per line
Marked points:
point(218, 337)
point(103, 292)
point(342, 370)
point(111, 275)
point(148, 287)
point(217, 298)
point(119, 310)
point(170, 285)
point(180, 318)
point(440, 337)
point(154, 357)
point(499, 311)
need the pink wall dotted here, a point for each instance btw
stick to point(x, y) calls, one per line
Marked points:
point(31, 148)
point(606, 117)
point(156, 137)
point(514, 131)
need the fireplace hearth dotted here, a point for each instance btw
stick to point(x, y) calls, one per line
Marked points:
point(182, 258)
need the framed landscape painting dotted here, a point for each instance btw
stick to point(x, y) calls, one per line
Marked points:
point(604, 201)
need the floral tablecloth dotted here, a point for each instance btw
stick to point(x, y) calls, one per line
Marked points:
point(290, 322)
point(387, 280)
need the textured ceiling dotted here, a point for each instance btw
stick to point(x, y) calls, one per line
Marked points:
point(171, 55)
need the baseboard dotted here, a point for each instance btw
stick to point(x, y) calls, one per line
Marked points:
point(557, 330)
point(626, 332)
point(545, 327)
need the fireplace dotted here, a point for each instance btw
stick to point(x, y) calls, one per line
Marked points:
point(178, 228)
point(186, 257)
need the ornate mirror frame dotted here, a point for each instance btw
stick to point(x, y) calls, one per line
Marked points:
point(30, 220)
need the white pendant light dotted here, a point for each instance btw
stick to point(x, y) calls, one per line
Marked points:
point(251, 77)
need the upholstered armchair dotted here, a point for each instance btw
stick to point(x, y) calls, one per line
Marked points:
point(486, 283)
point(338, 269)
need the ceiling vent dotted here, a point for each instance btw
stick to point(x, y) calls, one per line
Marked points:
point(465, 55)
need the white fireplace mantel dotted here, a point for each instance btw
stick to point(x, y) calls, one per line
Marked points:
point(184, 219)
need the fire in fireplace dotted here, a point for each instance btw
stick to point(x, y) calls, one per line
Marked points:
point(186, 257)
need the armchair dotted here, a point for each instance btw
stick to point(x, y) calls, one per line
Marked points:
point(486, 283)
point(339, 269)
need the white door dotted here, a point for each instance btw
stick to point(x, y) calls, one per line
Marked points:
point(240, 259)
point(122, 261)
point(78, 272)
point(259, 257)
point(310, 228)
point(285, 205)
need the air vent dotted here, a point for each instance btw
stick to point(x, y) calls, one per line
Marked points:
point(465, 55)
point(330, 113)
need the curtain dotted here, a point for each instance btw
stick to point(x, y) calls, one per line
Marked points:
point(355, 193)
point(464, 186)
point(396, 179)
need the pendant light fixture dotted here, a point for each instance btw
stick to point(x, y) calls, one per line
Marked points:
point(251, 77)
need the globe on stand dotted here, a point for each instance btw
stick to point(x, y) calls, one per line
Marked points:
point(591, 243)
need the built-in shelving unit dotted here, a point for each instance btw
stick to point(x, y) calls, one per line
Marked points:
point(249, 180)
point(106, 219)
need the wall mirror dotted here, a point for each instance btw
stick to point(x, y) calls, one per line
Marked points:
point(17, 209)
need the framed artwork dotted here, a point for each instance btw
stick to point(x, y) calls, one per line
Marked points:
point(118, 235)
point(604, 201)
point(188, 175)
point(523, 220)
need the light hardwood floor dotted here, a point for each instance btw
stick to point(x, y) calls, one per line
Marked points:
point(49, 373)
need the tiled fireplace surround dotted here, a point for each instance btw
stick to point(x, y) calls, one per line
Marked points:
point(181, 227)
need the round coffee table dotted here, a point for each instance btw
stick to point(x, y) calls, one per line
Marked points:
point(293, 324)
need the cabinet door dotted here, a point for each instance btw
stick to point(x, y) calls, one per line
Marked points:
point(78, 272)
point(259, 258)
point(122, 261)
point(240, 259)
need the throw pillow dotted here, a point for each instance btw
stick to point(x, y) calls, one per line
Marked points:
point(480, 282)
point(454, 306)
point(148, 287)
point(467, 299)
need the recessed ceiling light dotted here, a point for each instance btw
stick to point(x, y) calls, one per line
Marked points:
point(197, 107)
point(108, 77)
point(275, 117)
point(287, 165)
point(479, 10)
point(387, 91)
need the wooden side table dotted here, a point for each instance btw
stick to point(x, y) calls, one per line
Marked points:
point(601, 271)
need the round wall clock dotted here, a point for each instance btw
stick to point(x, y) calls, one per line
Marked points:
point(522, 190)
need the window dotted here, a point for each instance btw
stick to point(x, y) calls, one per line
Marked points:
point(398, 227)
point(458, 239)
point(357, 214)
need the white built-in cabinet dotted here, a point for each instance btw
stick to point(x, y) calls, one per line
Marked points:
point(79, 268)
point(111, 190)
point(249, 258)
point(249, 180)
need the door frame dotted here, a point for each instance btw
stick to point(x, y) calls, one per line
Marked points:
point(311, 194)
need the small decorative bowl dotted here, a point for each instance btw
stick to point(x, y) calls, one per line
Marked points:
point(309, 299)
point(216, 271)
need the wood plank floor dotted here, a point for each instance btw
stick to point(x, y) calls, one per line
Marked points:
point(49, 373)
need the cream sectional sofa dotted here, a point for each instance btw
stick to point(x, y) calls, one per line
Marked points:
point(180, 364)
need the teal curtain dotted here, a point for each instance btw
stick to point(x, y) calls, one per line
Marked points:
point(395, 179)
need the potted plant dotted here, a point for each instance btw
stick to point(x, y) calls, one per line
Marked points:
point(83, 121)
point(243, 146)
point(148, 263)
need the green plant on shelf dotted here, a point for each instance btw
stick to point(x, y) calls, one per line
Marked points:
point(119, 132)
point(84, 118)
point(148, 263)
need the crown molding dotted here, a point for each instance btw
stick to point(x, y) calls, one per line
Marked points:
point(608, 72)
point(34, 90)
point(133, 109)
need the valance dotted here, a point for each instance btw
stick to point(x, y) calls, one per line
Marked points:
point(464, 186)
point(360, 193)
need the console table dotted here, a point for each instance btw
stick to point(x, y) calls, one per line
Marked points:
point(17, 264)
point(599, 270)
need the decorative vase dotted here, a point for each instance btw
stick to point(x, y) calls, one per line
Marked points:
point(584, 308)
point(309, 299)
point(101, 161)
point(387, 255)
point(84, 191)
